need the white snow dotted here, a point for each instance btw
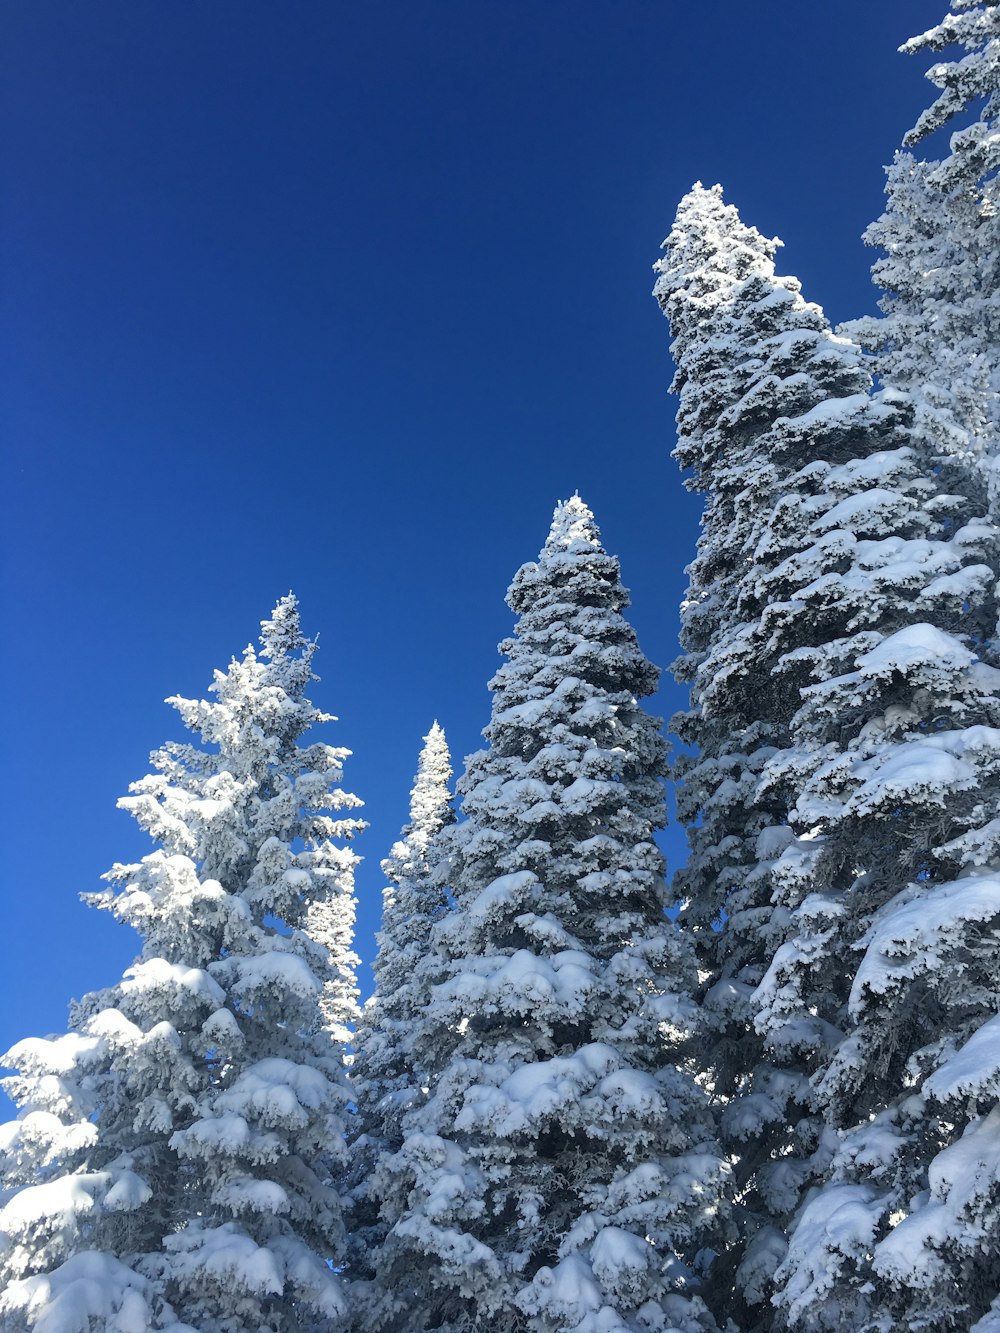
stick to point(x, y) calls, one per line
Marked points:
point(909, 940)
point(975, 1068)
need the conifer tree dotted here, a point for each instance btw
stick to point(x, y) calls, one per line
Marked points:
point(752, 358)
point(835, 556)
point(387, 1076)
point(939, 338)
point(903, 1231)
point(172, 1163)
point(970, 83)
point(940, 327)
point(561, 1174)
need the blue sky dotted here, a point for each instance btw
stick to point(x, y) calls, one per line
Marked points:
point(343, 298)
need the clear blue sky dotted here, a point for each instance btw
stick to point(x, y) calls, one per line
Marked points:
point(342, 298)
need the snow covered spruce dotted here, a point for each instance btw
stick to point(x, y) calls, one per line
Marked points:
point(939, 337)
point(561, 1174)
point(388, 1074)
point(764, 388)
point(840, 608)
point(905, 1229)
point(172, 1165)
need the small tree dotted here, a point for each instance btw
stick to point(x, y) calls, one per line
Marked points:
point(173, 1157)
point(561, 1175)
point(388, 1075)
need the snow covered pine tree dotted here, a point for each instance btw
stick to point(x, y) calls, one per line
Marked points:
point(387, 1075)
point(561, 1174)
point(843, 583)
point(749, 352)
point(171, 1166)
point(908, 1219)
point(939, 338)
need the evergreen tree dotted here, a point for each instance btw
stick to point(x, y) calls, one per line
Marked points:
point(903, 1231)
point(939, 338)
point(173, 1157)
point(388, 1075)
point(834, 550)
point(940, 328)
point(752, 358)
point(969, 83)
point(561, 1175)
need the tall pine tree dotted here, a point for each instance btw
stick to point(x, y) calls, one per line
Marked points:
point(752, 358)
point(836, 555)
point(561, 1175)
point(903, 1231)
point(172, 1164)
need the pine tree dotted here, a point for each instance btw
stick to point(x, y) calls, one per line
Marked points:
point(388, 1075)
point(939, 338)
point(174, 1153)
point(756, 370)
point(903, 1231)
point(903, 891)
point(940, 328)
point(835, 558)
point(561, 1174)
point(968, 83)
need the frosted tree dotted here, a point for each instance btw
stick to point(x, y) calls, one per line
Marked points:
point(939, 338)
point(388, 1075)
point(938, 335)
point(829, 537)
point(902, 1232)
point(561, 1175)
point(901, 1229)
point(172, 1163)
point(752, 358)
point(968, 84)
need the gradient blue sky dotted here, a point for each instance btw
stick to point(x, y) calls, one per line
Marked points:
point(342, 298)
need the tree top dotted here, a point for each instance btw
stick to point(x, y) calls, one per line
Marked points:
point(573, 529)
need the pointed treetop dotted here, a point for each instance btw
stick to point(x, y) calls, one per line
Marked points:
point(435, 758)
point(573, 528)
point(708, 234)
point(286, 647)
point(430, 797)
point(282, 633)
